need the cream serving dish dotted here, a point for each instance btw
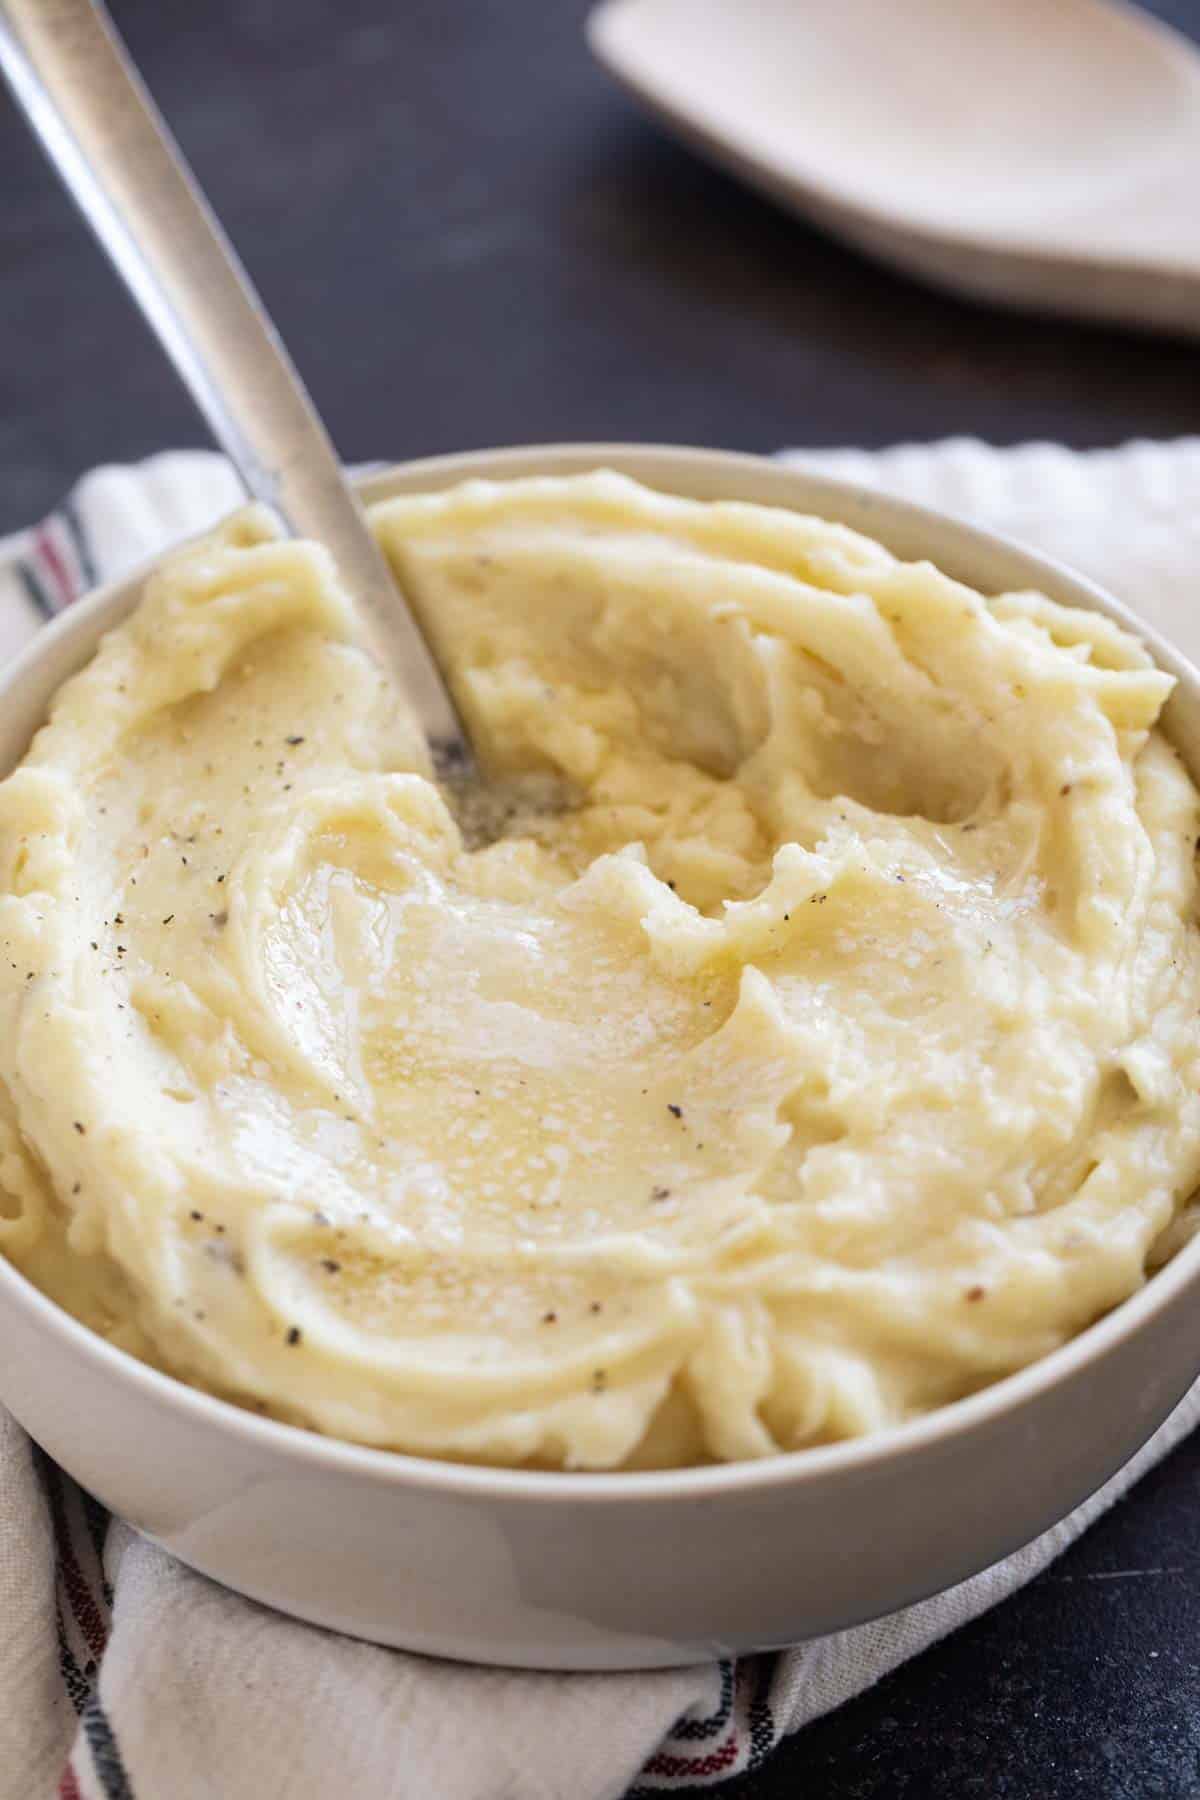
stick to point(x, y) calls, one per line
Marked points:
point(614, 1570)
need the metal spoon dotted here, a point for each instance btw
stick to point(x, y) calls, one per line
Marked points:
point(84, 97)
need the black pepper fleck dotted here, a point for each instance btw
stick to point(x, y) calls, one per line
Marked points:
point(293, 1336)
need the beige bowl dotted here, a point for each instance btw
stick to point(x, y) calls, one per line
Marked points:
point(619, 1570)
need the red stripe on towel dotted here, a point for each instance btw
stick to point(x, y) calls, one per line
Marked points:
point(48, 550)
point(87, 1614)
point(695, 1767)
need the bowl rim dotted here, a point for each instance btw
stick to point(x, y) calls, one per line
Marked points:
point(466, 1480)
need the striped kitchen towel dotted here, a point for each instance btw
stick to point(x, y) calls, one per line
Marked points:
point(126, 1676)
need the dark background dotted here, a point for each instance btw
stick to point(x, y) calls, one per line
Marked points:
point(469, 237)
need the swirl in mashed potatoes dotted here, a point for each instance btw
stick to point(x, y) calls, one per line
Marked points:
point(833, 1057)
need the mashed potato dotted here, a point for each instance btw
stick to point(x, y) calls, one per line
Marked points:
point(834, 1056)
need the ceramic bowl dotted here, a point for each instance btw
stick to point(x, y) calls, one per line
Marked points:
point(973, 156)
point(605, 1571)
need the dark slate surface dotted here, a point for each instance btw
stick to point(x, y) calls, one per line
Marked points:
point(469, 237)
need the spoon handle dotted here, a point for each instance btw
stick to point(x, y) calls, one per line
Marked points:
point(100, 128)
